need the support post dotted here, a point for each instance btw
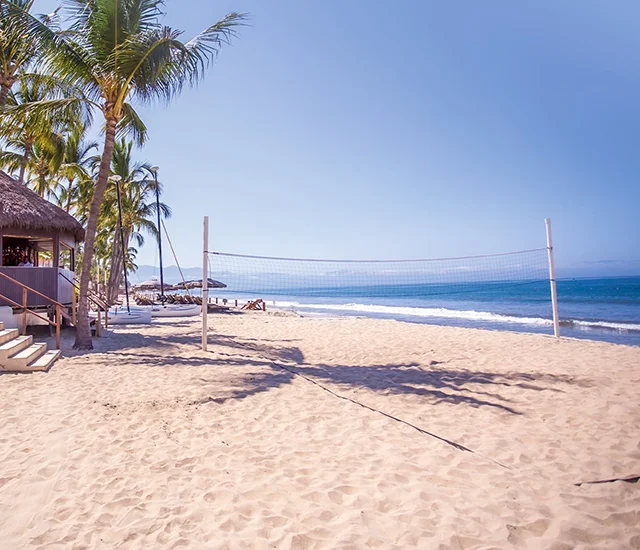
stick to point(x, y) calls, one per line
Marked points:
point(56, 251)
point(24, 312)
point(552, 279)
point(58, 318)
point(74, 306)
point(205, 282)
point(155, 176)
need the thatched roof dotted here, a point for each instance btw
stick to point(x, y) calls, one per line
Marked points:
point(21, 208)
point(197, 283)
point(152, 284)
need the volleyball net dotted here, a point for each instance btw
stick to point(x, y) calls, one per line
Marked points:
point(486, 275)
point(491, 290)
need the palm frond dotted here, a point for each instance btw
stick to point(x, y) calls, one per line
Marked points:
point(11, 161)
point(50, 85)
point(61, 109)
point(131, 125)
point(25, 37)
point(203, 48)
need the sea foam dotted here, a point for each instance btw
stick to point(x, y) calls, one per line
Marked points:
point(444, 313)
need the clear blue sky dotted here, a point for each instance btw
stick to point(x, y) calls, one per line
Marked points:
point(360, 129)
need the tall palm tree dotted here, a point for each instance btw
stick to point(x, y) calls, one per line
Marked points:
point(137, 192)
point(116, 51)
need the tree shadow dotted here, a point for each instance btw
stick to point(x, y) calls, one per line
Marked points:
point(263, 365)
point(434, 385)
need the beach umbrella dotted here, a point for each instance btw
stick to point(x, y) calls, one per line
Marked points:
point(211, 283)
point(152, 284)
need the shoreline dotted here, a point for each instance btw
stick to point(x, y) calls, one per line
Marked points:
point(306, 432)
point(618, 336)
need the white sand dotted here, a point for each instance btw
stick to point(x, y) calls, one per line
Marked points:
point(150, 443)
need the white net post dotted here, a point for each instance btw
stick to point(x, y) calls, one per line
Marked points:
point(552, 279)
point(205, 282)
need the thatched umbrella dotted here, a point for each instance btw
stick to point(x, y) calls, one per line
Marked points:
point(152, 284)
point(211, 283)
point(22, 209)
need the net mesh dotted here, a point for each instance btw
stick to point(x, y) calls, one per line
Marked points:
point(267, 277)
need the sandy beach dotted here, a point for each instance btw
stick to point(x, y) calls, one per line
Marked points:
point(315, 433)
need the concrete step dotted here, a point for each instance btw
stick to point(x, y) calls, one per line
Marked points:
point(14, 346)
point(44, 362)
point(9, 334)
point(22, 360)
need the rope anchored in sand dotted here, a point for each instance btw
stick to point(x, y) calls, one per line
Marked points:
point(453, 444)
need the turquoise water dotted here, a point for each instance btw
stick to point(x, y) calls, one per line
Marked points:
point(600, 309)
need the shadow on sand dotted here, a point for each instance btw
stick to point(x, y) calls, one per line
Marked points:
point(265, 365)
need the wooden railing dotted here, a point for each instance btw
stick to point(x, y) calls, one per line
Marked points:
point(93, 298)
point(59, 308)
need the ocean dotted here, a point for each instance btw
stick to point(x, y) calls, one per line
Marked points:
point(606, 309)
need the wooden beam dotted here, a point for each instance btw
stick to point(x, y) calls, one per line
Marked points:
point(22, 233)
point(1, 249)
point(56, 251)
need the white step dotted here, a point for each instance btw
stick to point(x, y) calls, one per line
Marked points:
point(22, 360)
point(44, 362)
point(14, 346)
point(9, 334)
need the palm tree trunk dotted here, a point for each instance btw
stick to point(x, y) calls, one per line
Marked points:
point(4, 92)
point(42, 184)
point(83, 333)
point(25, 160)
point(68, 207)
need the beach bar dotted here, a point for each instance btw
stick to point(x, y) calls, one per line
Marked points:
point(38, 242)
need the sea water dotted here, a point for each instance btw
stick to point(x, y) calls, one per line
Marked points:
point(605, 309)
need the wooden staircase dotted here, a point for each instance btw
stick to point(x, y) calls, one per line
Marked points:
point(20, 354)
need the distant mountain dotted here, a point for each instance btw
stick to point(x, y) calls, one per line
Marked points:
point(171, 273)
point(603, 268)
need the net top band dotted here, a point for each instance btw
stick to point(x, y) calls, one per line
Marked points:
point(374, 261)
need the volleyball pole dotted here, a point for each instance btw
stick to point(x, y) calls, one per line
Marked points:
point(205, 282)
point(552, 279)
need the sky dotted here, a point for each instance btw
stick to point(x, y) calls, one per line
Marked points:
point(410, 129)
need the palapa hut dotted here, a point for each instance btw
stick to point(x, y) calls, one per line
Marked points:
point(38, 241)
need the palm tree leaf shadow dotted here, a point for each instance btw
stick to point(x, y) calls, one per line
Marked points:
point(274, 366)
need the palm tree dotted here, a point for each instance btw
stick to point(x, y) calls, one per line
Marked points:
point(76, 165)
point(45, 163)
point(137, 192)
point(116, 51)
point(29, 130)
point(17, 158)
